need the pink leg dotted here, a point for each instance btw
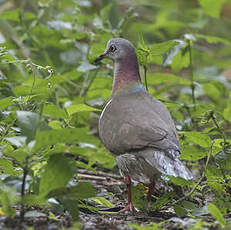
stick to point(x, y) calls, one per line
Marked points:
point(129, 206)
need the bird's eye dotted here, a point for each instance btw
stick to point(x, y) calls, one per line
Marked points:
point(112, 48)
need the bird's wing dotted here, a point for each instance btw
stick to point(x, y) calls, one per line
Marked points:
point(139, 136)
point(138, 121)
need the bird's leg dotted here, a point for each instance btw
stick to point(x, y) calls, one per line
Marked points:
point(151, 188)
point(129, 206)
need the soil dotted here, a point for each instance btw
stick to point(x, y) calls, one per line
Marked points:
point(112, 188)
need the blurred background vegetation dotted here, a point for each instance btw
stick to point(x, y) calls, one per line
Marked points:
point(52, 92)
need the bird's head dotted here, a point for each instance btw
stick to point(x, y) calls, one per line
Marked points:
point(117, 49)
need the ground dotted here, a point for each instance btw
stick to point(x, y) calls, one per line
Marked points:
point(112, 188)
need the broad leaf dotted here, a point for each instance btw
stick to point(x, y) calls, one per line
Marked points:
point(54, 111)
point(227, 112)
point(212, 7)
point(181, 60)
point(102, 201)
point(5, 102)
point(80, 108)
point(215, 212)
point(82, 190)
point(159, 49)
point(68, 135)
point(28, 122)
point(7, 166)
point(58, 171)
point(213, 39)
point(160, 78)
point(198, 138)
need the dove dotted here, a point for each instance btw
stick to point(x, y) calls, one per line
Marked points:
point(136, 127)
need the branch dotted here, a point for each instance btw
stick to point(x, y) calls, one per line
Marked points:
point(145, 77)
point(192, 74)
point(221, 131)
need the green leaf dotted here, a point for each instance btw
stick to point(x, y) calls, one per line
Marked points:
point(34, 200)
point(19, 154)
point(6, 166)
point(198, 138)
point(95, 155)
point(102, 201)
point(212, 91)
point(161, 78)
point(96, 50)
point(201, 211)
point(55, 124)
point(180, 60)
point(80, 108)
point(212, 39)
point(29, 16)
point(58, 171)
point(215, 179)
point(138, 197)
point(72, 207)
point(12, 15)
point(68, 135)
point(28, 122)
point(215, 212)
point(223, 158)
point(88, 208)
point(18, 141)
point(192, 153)
point(142, 56)
point(5, 102)
point(180, 181)
point(104, 13)
point(159, 49)
point(227, 113)
point(142, 52)
point(54, 111)
point(82, 190)
point(163, 200)
point(188, 205)
point(180, 211)
point(212, 7)
point(8, 198)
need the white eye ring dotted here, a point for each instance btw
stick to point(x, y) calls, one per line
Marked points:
point(112, 48)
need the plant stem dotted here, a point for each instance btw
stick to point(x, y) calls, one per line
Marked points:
point(201, 178)
point(145, 77)
point(191, 73)
point(86, 88)
point(218, 127)
point(22, 211)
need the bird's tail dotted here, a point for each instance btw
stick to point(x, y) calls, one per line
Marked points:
point(166, 165)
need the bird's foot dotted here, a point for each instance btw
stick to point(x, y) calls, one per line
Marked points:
point(129, 208)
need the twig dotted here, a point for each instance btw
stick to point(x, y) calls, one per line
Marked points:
point(218, 127)
point(199, 181)
point(22, 211)
point(32, 87)
point(146, 53)
point(192, 74)
point(88, 172)
point(91, 177)
point(224, 145)
point(145, 77)
point(86, 88)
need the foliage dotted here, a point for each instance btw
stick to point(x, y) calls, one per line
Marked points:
point(51, 95)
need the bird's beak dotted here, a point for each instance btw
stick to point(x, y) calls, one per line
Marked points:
point(101, 57)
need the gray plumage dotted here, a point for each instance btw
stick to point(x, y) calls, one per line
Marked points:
point(138, 128)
